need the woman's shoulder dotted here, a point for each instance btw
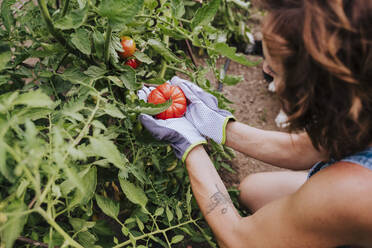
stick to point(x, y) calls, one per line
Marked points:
point(348, 186)
point(340, 197)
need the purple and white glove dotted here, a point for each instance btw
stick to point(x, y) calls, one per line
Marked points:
point(203, 111)
point(182, 135)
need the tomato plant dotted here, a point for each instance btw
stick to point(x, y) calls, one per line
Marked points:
point(76, 167)
point(129, 47)
point(167, 92)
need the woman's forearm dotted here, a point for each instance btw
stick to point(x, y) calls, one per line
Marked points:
point(212, 196)
point(290, 151)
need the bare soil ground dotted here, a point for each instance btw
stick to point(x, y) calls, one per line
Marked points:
point(256, 106)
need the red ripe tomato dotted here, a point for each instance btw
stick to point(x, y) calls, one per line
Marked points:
point(165, 92)
point(129, 47)
point(133, 63)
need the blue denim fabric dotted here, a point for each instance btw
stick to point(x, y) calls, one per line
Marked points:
point(363, 158)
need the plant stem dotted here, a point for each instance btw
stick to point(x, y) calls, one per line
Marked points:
point(58, 228)
point(154, 233)
point(59, 37)
point(45, 13)
point(45, 191)
point(163, 69)
point(65, 8)
point(85, 128)
point(60, 63)
point(163, 62)
point(32, 242)
point(107, 43)
point(179, 70)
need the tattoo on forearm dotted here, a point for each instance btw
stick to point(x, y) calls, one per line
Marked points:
point(219, 199)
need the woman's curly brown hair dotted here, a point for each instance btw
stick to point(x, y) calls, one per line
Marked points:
point(325, 49)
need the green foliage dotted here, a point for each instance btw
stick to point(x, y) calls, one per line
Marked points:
point(76, 167)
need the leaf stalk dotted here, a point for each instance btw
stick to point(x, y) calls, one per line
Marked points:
point(65, 8)
point(107, 43)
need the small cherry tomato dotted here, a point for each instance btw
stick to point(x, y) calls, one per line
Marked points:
point(129, 47)
point(133, 63)
point(165, 92)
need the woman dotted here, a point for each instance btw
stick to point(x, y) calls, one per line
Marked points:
point(320, 53)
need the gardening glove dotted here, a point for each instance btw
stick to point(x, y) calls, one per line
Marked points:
point(182, 135)
point(203, 111)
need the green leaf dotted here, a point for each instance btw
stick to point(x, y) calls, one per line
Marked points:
point(205, 14)
point(160, 48)
point(232, 79)
point(75, 76)
point(151, 4)
point(81, 225)
point(133, 193)
point(230, 52)
point(81, 40)
point(143, 57)
point(87, 239)
point(73, 20)
point(169, 214)
point(6, 14)
point(95, 72)
point(228, 167)
point(34, 99)
point(151, 109)
point(99, 43)
point(115, 47)
point(178, 8)
point(15, 222)
point(242, 4)
point(159, 211)
point(128, 77)
point(116, 81)
point(125, 230)
point(113, 111)
point(188, 200)
point(178, 212)
point(120, 12)
point(157, 81)
point(108, 206)
point(72, 109)
point(106, 148)
point(4, 169)
point(176, 239)
point(89, 183)
point(99, 125)
point(167, 30)
point(5, 55)
point(140, 224)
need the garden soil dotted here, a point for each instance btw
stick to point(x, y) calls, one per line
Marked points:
point(256, 106)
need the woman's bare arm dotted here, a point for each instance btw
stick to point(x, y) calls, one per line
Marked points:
point(314, 216)
point(290, 151)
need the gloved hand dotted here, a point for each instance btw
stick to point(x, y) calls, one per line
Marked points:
point(203, 111)
point(182, 135)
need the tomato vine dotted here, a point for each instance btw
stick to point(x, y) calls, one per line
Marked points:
point(76, 167)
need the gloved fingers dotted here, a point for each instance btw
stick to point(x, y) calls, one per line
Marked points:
point(144, 93)
point(189, 94)
point(155, 127)
point(194, 93)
